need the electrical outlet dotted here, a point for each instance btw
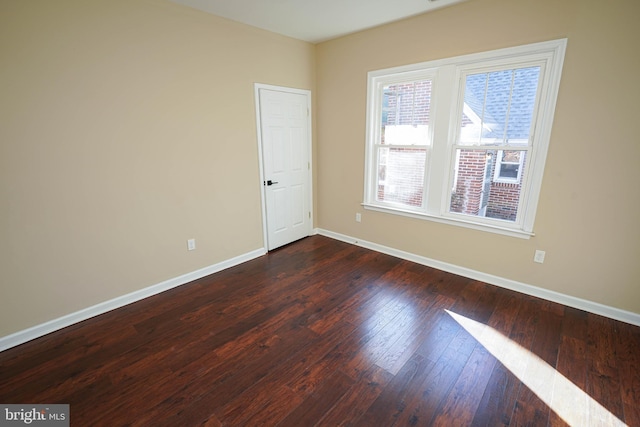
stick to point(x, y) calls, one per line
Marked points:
point(358, 217)
point(539, 257)
point(191, 244)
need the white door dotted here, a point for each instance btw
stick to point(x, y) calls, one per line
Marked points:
point(285, 143)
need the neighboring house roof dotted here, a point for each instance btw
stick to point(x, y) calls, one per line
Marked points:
point(500, 104)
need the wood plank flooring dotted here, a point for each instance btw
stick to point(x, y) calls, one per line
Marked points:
point(321, 332)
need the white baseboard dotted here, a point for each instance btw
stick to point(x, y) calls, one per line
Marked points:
point(586, 305)
point(89, 312)
point(103, 307)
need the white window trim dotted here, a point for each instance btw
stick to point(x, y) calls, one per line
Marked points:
point(446, 107)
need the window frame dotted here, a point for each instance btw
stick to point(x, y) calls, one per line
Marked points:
point(447, 103)
point(375, 145)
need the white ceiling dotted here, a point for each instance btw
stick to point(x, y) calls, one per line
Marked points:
point(315, 20)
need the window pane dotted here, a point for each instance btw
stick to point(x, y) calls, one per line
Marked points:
point(401, 175)
point(405, 113)
point(508, 168)
point(475, 94)
point(498, 107)
point(525, 87)
point(509, 171)
point(510, 156)
point(476, 193)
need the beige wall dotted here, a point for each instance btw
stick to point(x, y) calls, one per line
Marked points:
point(126, 127)
point(588, 214)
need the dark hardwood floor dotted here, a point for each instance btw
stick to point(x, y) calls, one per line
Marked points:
point(321, 332)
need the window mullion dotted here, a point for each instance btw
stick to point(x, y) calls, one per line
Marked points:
point(444, 104)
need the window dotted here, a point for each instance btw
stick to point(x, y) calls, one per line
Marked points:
point(509, 166)
point(463, 140)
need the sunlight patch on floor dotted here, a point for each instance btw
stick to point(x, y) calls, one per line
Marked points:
point(566, 399)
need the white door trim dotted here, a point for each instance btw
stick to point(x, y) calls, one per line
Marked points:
point(307, 93)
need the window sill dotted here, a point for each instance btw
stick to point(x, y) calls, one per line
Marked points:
point(453, 221)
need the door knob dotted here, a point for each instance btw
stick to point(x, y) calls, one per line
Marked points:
point(269, 182)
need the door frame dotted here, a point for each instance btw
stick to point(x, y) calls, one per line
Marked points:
point(307, 94)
